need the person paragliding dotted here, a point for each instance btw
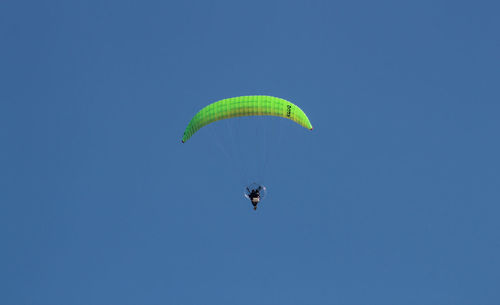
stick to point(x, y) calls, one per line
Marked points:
point(255, 192)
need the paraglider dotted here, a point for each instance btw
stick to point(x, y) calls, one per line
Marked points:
point(246, 106)
point(251, 105)
point(255, 192)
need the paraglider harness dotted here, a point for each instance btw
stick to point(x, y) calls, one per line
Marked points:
point(254, 196)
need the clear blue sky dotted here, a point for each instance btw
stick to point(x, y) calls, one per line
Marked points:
point(392, 199)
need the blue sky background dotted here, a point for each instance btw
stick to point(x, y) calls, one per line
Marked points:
point(392, 199)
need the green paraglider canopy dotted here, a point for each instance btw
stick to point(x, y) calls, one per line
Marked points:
point(250, 105)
